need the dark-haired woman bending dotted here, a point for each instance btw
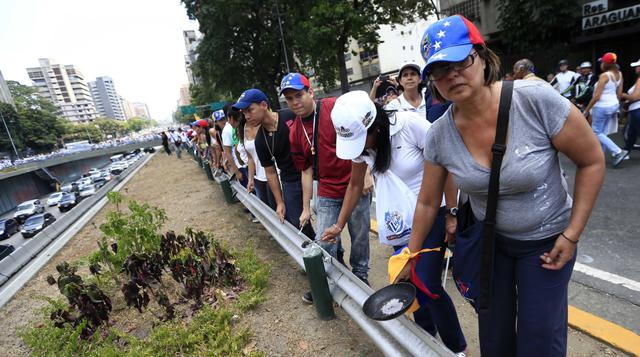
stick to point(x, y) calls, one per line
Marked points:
point(399, 148)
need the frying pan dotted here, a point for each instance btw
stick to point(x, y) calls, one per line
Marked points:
point(390, 301)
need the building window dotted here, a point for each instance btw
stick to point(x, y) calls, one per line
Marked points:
point(409, 32)
point(349, 71)
point(368, 55)
point(403, 48)
point(411, 47)
point(469, 9)
point(347, 56)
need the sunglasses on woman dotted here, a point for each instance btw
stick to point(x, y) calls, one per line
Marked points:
point(438, 70)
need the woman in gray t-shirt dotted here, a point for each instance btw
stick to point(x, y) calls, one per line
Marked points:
point(538, 225)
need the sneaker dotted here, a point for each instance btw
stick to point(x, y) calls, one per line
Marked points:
point(620, 157)
point(307, 297)
point(255, 220)
point(461, 354)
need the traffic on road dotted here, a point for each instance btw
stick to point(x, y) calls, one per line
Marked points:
point(30, 217)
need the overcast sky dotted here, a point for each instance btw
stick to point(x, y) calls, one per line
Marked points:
point(138, 43)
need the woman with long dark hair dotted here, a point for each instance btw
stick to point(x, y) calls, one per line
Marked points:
point(394, 144)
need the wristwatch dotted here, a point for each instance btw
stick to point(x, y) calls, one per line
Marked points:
point(453, 211)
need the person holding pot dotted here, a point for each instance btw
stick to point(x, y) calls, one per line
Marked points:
point(538, 224)
point(392, 146)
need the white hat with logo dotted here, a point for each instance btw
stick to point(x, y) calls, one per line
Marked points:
point(352, 114)
point(635, 64)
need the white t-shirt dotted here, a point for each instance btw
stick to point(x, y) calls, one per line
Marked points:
point(407, 149)
point(227, 140)
point(243, 154)
point(609, 96)
point(250, 146)
point(402, 105)
point(635, 105)
point(564, 81)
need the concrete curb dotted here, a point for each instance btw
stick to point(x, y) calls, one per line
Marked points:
point(43, 251)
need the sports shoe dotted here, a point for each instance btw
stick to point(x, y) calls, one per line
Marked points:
point(620, 157)
point(307, 297)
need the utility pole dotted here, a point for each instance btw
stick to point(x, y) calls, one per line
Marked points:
point(284, 47)
point(9, 133)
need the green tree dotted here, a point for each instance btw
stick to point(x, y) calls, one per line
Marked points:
point(241, 48)
point(82, 131)
point(112, 127)
point(529, 24)
point(137, 124)
point(11, 119)
point(323, 28)
point(34, 123)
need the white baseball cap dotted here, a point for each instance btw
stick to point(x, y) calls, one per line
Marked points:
point(411, 65)
point(636, 63)
point(352, 114)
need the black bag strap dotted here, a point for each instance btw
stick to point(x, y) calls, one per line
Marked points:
point(498, 150)
point(315, 140)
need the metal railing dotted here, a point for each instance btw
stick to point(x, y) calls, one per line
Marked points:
point(398, 337)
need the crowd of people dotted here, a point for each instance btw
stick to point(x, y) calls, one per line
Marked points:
point(422, 142)
point(30, 158)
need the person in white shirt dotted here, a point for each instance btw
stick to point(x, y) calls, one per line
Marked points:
point(412, 98)
point(564, 79)
point(234, 162)
point(176, 142)
point(632, 97)
point(603, 107)
point(369, 137)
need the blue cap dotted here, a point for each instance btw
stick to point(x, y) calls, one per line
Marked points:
point(294, 81)
point(218, 114)
point(448, 40)
point(249, 96)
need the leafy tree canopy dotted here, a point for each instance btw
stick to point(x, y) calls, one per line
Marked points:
point(530, 24)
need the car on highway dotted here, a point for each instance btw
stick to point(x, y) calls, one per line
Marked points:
point(93, 171)
point(27, 209)
point(5, 250)
point(8, 227)
point(34, 224)
point(117, 168)
point(95, 175)
point(83, 182)
point(88, 190)
point(106, 175)
point(68, 201)
point(99, 182)
point(54, 199)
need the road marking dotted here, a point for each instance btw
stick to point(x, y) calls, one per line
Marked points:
point(603, 330)
point(594, 326)
point(606, 276)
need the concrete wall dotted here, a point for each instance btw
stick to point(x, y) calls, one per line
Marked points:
point(18, 189)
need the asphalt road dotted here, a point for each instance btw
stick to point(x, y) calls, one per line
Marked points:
point(610, 245)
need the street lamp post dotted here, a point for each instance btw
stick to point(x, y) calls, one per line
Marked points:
point(9, 133)
point(284, 47)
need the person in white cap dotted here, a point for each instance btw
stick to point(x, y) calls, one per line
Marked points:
point(632, 97)
point(412, 97)
point(583, 87)
point(393, 149)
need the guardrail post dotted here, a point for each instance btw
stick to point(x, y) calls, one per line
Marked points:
point(314, 265)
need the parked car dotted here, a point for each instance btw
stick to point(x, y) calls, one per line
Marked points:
point(8, 227)
point(5, 250)
point(34, 224)
point(67, 202)
point(54, 199)
point(27, 209)
point(88, 190)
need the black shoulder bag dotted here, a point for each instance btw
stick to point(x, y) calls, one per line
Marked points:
point(474, 247)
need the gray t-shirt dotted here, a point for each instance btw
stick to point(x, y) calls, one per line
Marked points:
point(533, 202)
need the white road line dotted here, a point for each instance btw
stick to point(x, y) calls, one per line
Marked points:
point(606, 276)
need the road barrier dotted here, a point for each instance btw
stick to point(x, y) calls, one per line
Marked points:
point(398, 337)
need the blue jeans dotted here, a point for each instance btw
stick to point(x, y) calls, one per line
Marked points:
point(437, 315)
point(601, 118)
point(245, 177)
point(264, 193)
point(292, 195)
point(633, 129)
point(528, 299)
point(359, 225)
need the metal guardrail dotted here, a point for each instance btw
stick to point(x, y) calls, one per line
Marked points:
point(13, 263)
point(398, 337)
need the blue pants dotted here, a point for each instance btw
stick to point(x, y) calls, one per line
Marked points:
point(633, 129)
point(437, 316)
point(245, 177)
point(601, 118)
point(264, 193)
point(292, 195)
point(528, 299)
point(327, 211)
